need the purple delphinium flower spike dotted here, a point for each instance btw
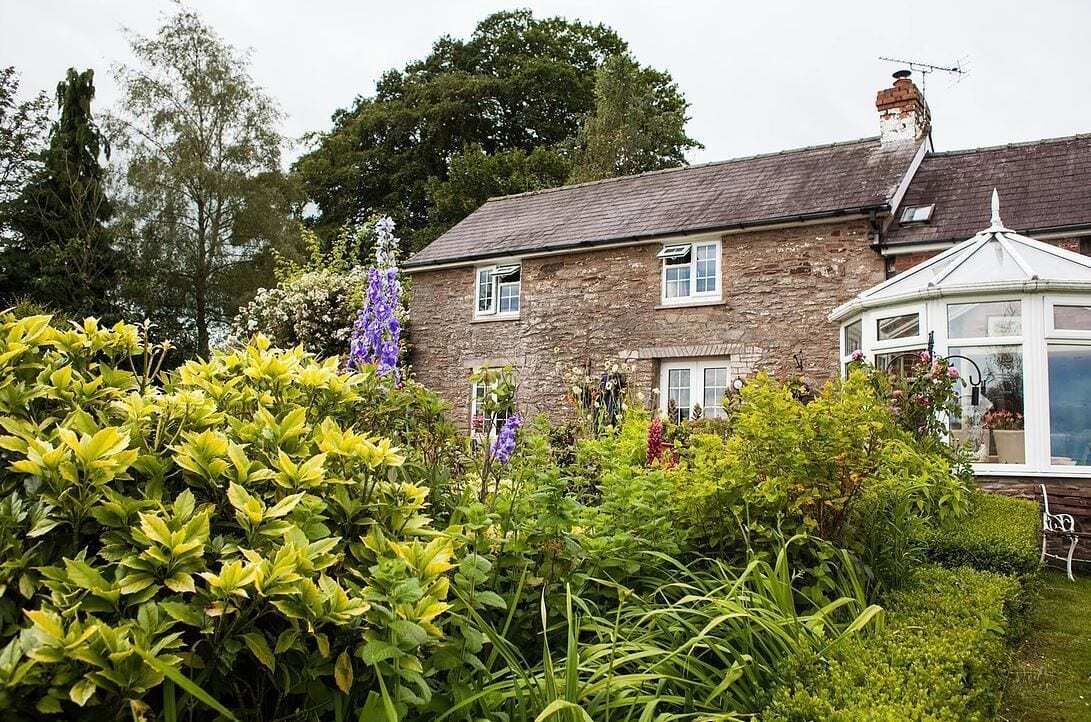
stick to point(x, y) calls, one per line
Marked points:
point(504, 445)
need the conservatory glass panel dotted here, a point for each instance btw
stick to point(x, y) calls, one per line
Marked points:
point(715, 384)
point(981, 320)
point(904, 326)
point(899, 363)
point(1070, 404)
point(854, 337)
point(678, 388)
point(1072, 318)
point(993, 429)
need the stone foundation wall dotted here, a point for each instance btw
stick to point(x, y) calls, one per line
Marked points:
point(1066, 496)
point(603, 306)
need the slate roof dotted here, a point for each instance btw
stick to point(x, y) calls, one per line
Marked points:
point(1045, 185)
point(787, 186)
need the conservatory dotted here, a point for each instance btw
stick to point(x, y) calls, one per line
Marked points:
point(1013, 315)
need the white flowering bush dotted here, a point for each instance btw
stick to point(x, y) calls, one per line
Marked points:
point(315, 309)
point(316, 304)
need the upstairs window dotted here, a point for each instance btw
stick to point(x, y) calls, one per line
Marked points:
point(691, 271)
point(917, 214)
point(498, 289)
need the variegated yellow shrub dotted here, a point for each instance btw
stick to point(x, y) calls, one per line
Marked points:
point(247, 527)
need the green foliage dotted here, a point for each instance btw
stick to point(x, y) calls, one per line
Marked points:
point(474, 176)
point(789, 465)
point(60, 253)
point(205, 202)
point(1001, 534)
point(942, 656)
point(703, 640)
point(638, 124)
point(518, 89)
point(239, 528)
point(23, 128)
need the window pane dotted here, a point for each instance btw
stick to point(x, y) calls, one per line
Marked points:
point(677, 281)
point(1072, 318)
point(978, 320)
point(993, 429)
point(854, 337)
point(1070, 404)
point(906, 326)
point(899, 363)
point(484, 290)
point(706, 268)
point(509, 297)
point(678, 388)
point(715, 384)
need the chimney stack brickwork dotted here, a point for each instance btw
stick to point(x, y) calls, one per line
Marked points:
point(903, 112)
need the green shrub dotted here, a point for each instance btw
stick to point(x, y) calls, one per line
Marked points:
point(942, 656)
point(1001, 534)
point(792, 466)
point(238, 522)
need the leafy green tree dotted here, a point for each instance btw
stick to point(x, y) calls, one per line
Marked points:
point(474, 176)
point(206, 202)
point(60, 253)
point(518, 83)
point(638, 124)
point(23, 129)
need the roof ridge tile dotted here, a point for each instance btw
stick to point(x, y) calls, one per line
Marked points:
point(695, 166)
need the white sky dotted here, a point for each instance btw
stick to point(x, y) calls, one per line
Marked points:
point(761, 76)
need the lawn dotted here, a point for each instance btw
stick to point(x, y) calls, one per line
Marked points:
point(1051, 679)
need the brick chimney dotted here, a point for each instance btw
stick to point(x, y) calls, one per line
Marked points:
point(903, 112)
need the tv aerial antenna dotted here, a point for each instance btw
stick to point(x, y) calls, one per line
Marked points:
point(957, 71)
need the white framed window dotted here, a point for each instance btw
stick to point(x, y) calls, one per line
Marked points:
point(894, 329)
point(497, 290)
point(918, 214)
point(691, 272)
point(479, 423)
point(983, 335)
point(852, 340)
point(685, 384)
point(1068, 317)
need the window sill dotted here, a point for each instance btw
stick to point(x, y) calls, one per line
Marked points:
point(692, 304)
point(494, 319)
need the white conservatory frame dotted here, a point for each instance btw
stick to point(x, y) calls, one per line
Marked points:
point(1059, 278)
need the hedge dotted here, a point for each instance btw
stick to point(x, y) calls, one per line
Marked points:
point(942, 656)
point(1000, 535)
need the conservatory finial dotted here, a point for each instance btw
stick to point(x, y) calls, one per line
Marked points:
point(996, 222)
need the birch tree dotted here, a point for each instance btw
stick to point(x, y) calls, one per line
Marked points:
point(203, 186)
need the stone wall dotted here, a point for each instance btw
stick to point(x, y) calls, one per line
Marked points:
point(603, 306)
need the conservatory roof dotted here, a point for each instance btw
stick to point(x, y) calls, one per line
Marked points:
point(995, 260)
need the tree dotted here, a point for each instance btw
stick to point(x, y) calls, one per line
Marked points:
point(517, 84)
point(23, 129)
point(205, 199)
point(638, 124)
point(474, 176)
point(61, 253)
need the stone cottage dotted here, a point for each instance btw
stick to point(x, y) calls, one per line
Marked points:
point(698, 276)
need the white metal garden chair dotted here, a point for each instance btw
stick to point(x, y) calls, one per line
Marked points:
point(1061, 527)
